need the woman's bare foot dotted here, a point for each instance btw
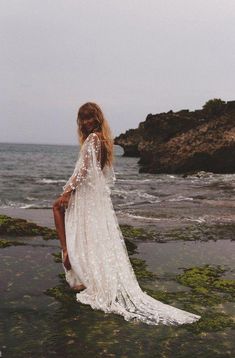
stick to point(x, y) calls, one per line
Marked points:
point(78, 288)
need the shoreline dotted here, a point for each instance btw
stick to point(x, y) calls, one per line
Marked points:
point(164, 230)
point(44, 217)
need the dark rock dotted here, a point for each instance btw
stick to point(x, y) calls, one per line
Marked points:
point(230, 106)
point(20, 227)
point(184, 141)
point(129, 141)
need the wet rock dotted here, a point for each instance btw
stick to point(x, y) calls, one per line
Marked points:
point(20, 227)
point(207, 280)
point(5, 243)
point(132, 232)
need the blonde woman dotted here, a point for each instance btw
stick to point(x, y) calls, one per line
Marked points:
point(94, 253)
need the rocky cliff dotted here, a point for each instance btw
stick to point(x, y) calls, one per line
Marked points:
point(184, 141)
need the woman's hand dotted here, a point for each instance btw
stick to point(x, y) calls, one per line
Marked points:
point(64, 199)
point(66, 261)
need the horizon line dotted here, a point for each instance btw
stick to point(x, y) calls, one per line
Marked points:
point(39, 143)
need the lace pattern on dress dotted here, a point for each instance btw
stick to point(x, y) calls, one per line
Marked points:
point(90, 152)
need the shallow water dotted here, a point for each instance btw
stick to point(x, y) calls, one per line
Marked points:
point(170, 258)
point(36, 325)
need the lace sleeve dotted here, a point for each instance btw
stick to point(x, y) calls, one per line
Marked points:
point(89, 158)
point(109, 175)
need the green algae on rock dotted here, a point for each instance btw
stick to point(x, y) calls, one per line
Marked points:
point(57, 257)
point(207, 280)
point(132, 232)
point(208, 291)
point(5, 243)
point(20, 227)
point(197, 232)
point(202, 232)
point(212, 321)
point(61, 293)
point(140, 268)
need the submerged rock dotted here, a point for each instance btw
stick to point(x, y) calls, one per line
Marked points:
point(207, 280)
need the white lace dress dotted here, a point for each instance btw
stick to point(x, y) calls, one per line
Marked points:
point(97, 250)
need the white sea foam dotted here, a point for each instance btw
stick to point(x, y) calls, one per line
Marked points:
point(126, 204)
point(30, 198)
point(134, 181)
point(139, 217)
point(198, 220)
point(50, 181)
point(136, 194)
point(171, 176)
point(181, 198)
point(27, 206)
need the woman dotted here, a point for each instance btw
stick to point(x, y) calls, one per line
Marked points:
point(94, 254)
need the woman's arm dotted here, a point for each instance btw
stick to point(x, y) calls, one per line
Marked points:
point(64, 199)
point(89, 159)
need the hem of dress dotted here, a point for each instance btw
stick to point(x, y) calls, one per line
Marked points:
point(131, 316)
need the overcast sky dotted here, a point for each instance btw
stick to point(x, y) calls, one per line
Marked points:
point(132, 57)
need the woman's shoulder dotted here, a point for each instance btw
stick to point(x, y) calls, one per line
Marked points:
point(95, 136)
point(91, 135)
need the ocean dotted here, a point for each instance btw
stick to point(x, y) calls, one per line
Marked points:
point(32, 177)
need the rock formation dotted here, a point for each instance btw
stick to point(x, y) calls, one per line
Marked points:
point(184, 141)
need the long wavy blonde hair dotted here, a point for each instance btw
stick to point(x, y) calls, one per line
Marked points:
point(92, 110)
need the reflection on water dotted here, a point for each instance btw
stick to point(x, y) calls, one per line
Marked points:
point(172, 256)
point(168, 259)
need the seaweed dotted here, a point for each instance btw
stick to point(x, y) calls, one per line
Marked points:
point(20, 227)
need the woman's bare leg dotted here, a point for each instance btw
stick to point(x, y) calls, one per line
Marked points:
point(60, 228)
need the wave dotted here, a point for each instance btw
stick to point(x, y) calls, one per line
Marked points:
point(150, 218)
point(126, 204)
point(50, 181)
point(33, 206)
point(181, 198)
point(30, 198)
point(211, 177)
point(21, 205)
point(136, 194)
point(139, 217)
point(199, 220)
point(134, 180)
point(171, 176)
